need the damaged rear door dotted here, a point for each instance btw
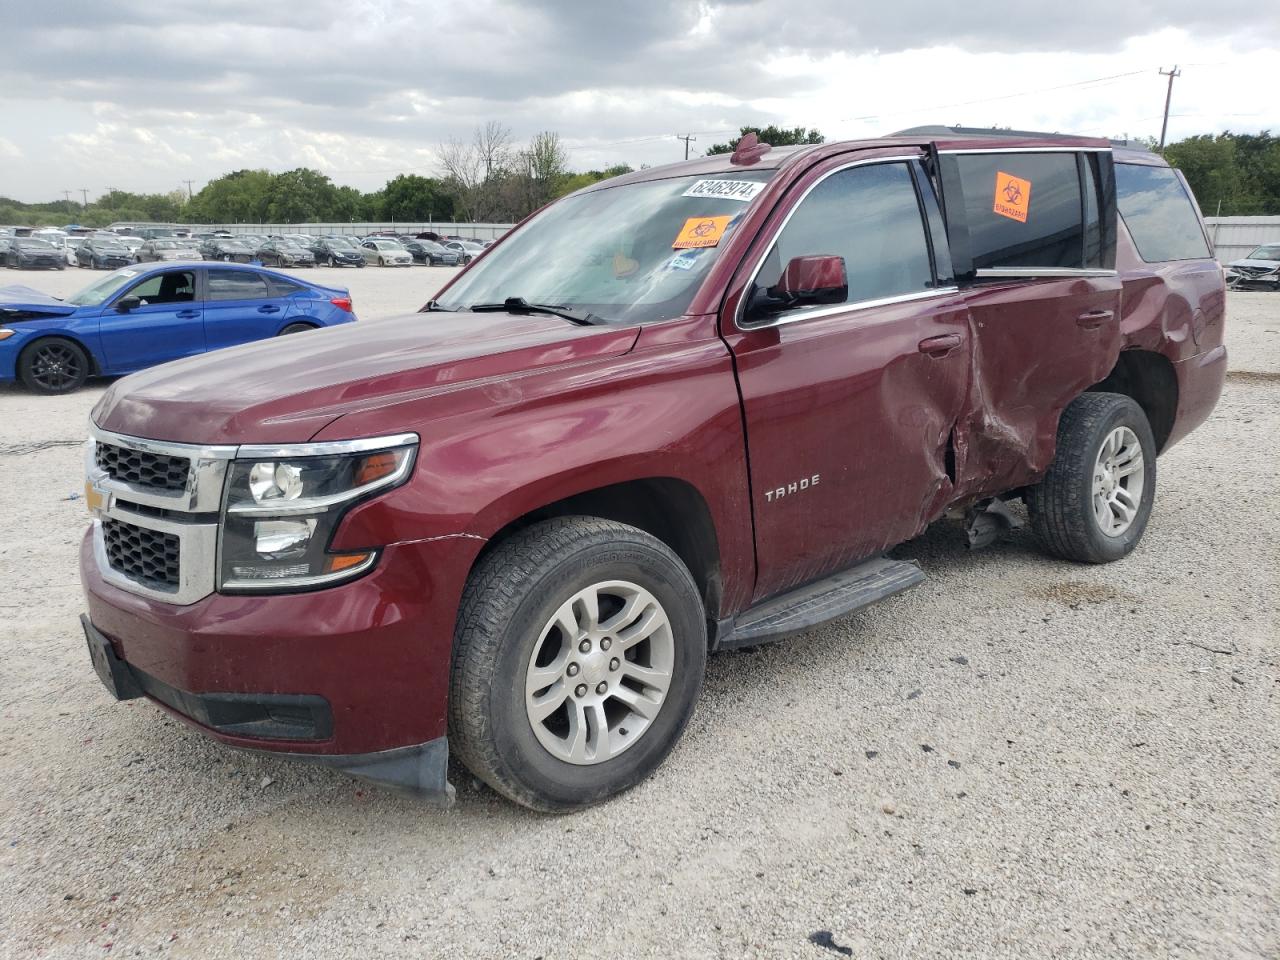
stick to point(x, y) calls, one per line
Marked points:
point(1033, 240)
point(849, 402)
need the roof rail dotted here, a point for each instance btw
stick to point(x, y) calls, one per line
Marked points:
point(941, 130)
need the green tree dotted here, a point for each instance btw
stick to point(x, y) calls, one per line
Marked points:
point(240, 196)
point(301, 196)
point(410, 197)
point(1232, 174)
point(774, 135)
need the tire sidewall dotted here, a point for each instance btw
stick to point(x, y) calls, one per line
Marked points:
point(566, 785)
point(1126, 414)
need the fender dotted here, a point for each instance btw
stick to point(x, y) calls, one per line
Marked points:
point(496, 452)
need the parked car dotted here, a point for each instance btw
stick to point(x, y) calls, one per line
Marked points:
point(70, 247)
point(1259, 270)
point(133, 245)
point(173, 248)
point(336, 252)
point(103, 253)
point(385, 253)
point(465, 249)
point(28, 253)
point(228, 250)
point(515, 531)
point(143, 315)
point(285, 253)
point(421, 251)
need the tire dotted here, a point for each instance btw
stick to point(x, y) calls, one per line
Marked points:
point(361, 264)
point(506, 627)
point(1088, 487)
point(53, 365)
point(295, 328)
point(226, 258)
point(381, 262)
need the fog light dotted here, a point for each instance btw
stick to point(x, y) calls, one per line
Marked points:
point(282, 539)
point(275, 481)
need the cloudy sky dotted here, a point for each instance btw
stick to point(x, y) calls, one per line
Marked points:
point(143, 96)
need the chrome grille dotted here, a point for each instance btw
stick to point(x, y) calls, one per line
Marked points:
point(149, 557)
point(142, 468)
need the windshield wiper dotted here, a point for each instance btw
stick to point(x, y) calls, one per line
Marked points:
point(521, 305)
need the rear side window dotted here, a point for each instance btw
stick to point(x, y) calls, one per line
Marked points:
point(1159, 214)
point(1022, 209)
point(284, 288)
point(870, 217)
point(236, 285)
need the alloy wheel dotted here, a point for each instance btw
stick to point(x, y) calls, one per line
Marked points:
point(1118, 481)
point(56, 367)
point(599, 672)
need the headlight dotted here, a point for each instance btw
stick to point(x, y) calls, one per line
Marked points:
point(283, 505)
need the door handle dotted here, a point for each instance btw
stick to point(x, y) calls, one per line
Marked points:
point(1093, 319)
point(187, 314)
point(268, 309)
point(939, 346)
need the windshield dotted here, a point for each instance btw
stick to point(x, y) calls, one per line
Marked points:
point(98, 291)
point(387, 245)
point(1268, 252)
point(34, 245)
point(627, 254)
point(108, 245)
point(232, 245)
point(168, 245)
point(340, 244)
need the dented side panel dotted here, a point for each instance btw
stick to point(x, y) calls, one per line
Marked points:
point(848, 422)
point(1037, 345)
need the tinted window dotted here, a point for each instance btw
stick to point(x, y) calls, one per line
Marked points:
point(1022, 209)
point(177, 286)
point(236, 285)
point(284, 288)
point(1159, 214)
point(869, 216)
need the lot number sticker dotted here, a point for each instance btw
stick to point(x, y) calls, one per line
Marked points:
point(744, 190)
point(701, 232)
point(1013, 196)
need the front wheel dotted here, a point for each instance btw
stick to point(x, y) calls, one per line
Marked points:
point(53, 365)
point(1095, 500)
point(578, 655)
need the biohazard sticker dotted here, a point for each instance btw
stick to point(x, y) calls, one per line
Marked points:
point(744, 190)
point(1013, 197)
point(700, 232)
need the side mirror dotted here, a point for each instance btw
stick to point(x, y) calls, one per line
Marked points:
point(811, 280)
point(125, 304)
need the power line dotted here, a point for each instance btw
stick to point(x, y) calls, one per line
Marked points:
point(1168, 97)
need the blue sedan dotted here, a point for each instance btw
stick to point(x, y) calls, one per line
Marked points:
point(142, 315)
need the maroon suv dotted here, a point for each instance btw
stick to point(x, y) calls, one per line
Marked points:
point(684, 410)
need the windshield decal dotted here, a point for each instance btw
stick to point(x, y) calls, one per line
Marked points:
point(744, 190)
point(683, 261)
point(701, 232)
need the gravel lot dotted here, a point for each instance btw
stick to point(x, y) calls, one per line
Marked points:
point(1020, 758)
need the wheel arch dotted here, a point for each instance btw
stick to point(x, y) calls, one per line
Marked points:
point(95, 367)
point(672, 510)
point(1148, 378)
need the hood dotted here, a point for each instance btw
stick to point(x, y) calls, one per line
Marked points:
point(287, 389)
point(24, 303)
point(1255, 264)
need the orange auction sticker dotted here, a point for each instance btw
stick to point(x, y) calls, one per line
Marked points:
point(1013, 196)
point(701, 232)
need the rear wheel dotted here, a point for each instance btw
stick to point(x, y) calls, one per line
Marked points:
point(53, 365)
point(1094, 503)
point(296, 328)
point(579, 653)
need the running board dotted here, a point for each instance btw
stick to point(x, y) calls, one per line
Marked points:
point(806, 607)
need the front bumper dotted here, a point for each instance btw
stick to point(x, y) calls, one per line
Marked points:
point(354, 676)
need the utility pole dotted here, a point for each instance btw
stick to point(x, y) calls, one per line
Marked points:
point(84, 192)
point(188, 183)
point(67, 194)
point(1168, 97)
point(686, 138)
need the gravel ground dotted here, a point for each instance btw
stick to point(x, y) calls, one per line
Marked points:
point(1020, 758)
